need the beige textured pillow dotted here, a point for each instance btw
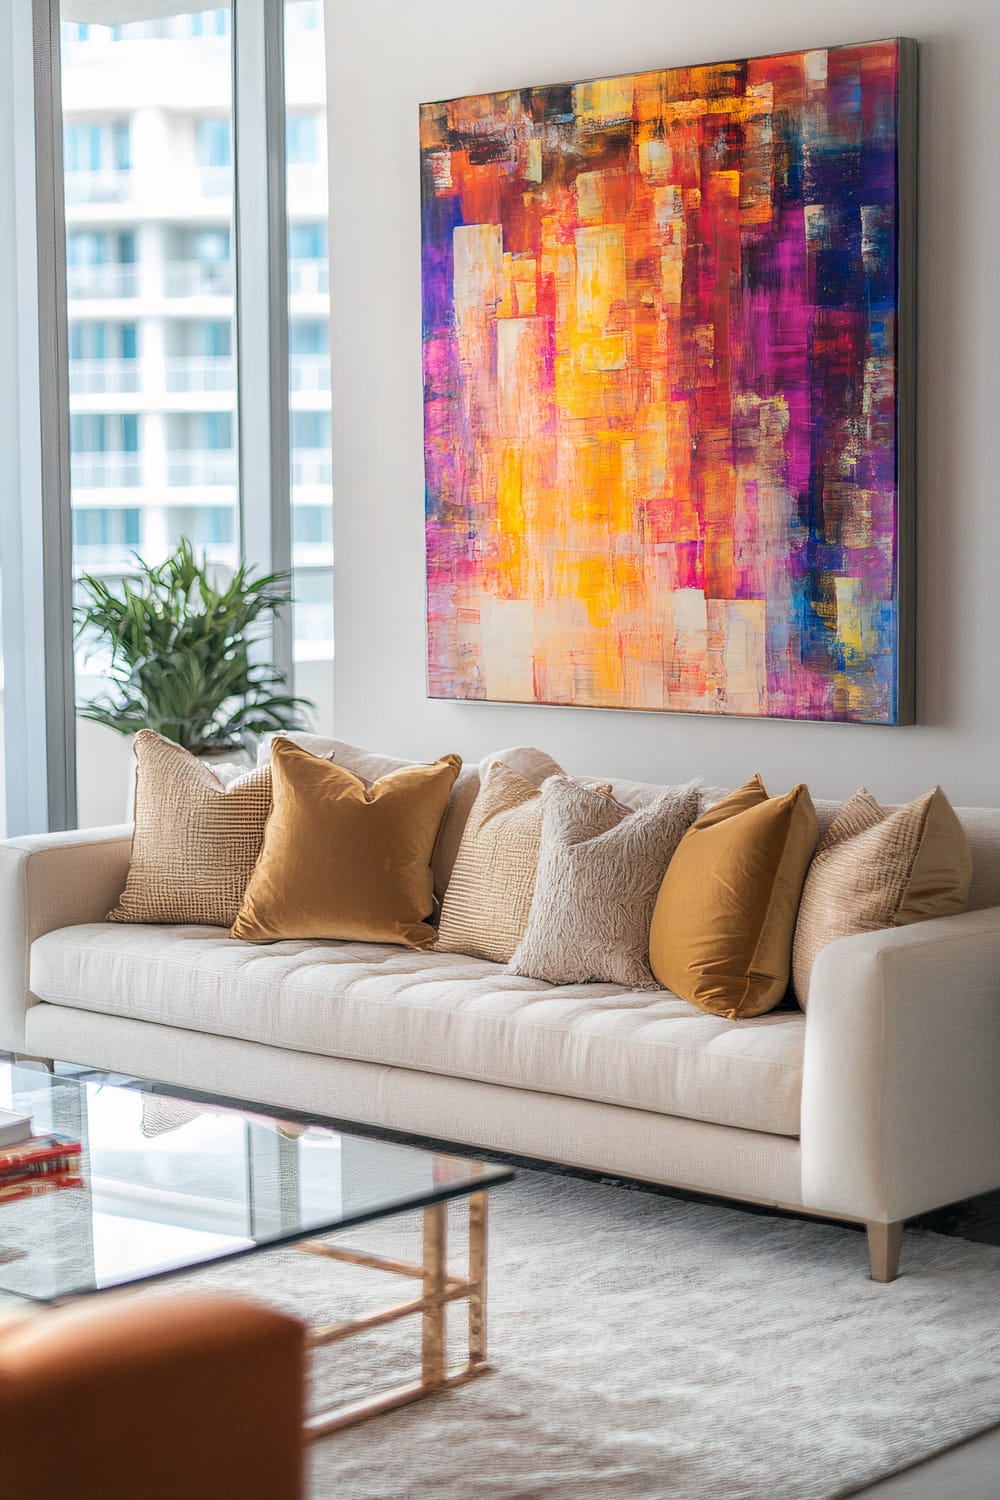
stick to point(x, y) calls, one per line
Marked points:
point(196, 840)
point(489, 895)
point(875, 868)
point(599, 870)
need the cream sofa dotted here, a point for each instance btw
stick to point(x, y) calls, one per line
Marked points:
point(883, 1103)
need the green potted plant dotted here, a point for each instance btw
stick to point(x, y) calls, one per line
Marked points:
point(180, 648)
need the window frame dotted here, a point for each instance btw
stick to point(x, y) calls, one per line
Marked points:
point(36, 546)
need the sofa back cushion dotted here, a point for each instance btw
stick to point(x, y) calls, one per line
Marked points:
point(982, 829)
point(635, 794)
point(981, 824)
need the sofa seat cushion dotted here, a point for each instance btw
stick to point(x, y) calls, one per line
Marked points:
point(438, 1013)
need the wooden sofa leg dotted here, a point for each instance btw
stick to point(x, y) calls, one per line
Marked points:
point(884, 1242)
point(27, 1060)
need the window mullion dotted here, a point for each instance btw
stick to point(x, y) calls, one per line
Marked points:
point(262, 283)
point(40, 728)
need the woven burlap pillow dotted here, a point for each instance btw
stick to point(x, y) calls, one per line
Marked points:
point(196, 840)
point(599, 870)
point(878, 868)
point(488, 899)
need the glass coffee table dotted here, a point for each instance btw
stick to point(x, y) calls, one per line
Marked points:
point(169, 1184)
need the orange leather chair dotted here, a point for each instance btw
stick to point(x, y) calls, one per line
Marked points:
point(187, 1397)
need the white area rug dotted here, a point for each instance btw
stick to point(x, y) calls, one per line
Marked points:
point(649, 1347)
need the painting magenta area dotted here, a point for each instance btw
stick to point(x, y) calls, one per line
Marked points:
point(661, 387)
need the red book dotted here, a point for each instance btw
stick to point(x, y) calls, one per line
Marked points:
point(68, 1162)
point(40, 1148)
point(34, 1187)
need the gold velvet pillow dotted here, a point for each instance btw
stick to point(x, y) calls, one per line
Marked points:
point(879, 868)
point(371, 764)
point(196, 840)
point(721, 936)
point(345, 858)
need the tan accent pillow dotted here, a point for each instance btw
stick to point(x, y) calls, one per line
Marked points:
point(489, 895)
point(721, 935)
point(343, 858)
point(599, 869)
point(196, 840)
point(878, 868)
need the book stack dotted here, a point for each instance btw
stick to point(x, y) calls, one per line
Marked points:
point(31, 1164)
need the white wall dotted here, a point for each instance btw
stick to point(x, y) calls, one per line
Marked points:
point(385, 57)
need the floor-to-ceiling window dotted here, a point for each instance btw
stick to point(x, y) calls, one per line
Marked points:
point(3, 757)
point(154, 267)
point(149, 184)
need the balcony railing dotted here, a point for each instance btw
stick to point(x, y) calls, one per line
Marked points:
point(311, 468)
point(309, 372)
point(109, 185)
point(201, 373)
point(205, 466)
point(116, 559)
point(102, 281)
point(198, 278)
point(105, 471)
point(93, 377)
point(308, 278)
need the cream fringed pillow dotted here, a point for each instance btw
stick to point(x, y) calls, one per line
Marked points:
point(599, 869)
point(196, 840)
point(877, 868)
point(486, 905)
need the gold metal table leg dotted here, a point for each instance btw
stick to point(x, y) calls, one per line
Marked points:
point(477, 1279)
point(438, 1289)
point(432, 1351)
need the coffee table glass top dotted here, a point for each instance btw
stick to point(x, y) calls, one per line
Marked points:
point(170, 1183)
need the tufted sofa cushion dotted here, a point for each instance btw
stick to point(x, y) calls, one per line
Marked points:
point(437, 1012)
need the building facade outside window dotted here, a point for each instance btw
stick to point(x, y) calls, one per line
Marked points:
point(213, 143)
point(97, 148)
point(210, 22)
point(149, 163)
point(151, 281)
point(302, 139)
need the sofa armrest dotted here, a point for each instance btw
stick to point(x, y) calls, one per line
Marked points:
point(901, 1082)
point(51, 880)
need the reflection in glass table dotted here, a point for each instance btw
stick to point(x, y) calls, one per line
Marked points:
point(171, 1183)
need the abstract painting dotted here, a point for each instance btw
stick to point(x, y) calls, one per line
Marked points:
point(667, 389)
